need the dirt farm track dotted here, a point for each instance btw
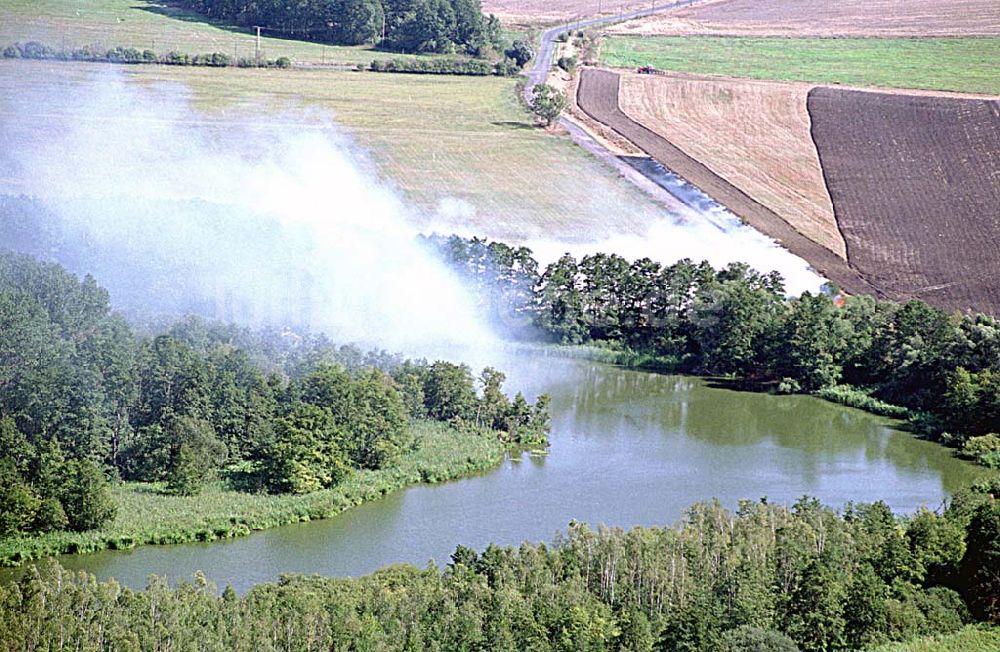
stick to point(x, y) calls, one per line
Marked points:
point(914, 181)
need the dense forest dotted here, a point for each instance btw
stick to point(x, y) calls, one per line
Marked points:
point(442, 26)
point(943, 369)
point(85, 400)
point(766, 578)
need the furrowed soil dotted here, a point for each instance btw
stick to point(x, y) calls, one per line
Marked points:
point(825, 18)
point(598, 96)
point(755, 135)
point(915, 183)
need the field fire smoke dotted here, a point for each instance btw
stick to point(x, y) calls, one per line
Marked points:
point(276, 224)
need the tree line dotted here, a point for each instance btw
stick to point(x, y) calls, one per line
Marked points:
point(127, 55)
point(84, 399)
point(441, 26)
point(767, 577)
point(944, 369)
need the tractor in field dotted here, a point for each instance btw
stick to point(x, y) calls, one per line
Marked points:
point(649, 70)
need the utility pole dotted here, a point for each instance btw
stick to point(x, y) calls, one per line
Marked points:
point(256, 47)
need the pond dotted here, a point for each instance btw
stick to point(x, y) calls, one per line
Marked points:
point(628, 448)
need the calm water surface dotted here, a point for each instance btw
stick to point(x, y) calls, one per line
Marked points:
point(628, 448)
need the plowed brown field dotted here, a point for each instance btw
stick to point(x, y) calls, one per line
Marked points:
point(756, 135)
point(598, 96)
point(825, 18)
point(915, 183)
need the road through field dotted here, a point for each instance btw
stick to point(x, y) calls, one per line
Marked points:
point(543, 58)
point(540, 71)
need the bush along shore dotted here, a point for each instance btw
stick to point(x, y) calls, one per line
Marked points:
point(216, 430)
point(908, 360)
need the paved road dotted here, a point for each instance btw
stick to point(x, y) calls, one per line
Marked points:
point(543, 59)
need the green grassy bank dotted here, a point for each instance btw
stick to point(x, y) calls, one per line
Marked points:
point(951, 64)
point(978, 638)
point(147, 516)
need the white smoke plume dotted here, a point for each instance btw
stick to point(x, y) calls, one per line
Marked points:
point(273, 222)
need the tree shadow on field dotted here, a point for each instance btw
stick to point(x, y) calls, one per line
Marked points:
point(513, 124)
point(177, 12)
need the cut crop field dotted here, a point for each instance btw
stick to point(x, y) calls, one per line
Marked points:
point(969, 65)
point(915, 183)
point(460, 149)
point(157, 26)
point(825, 18)
point(542, 12)
point(598, 96)
point(756, 135)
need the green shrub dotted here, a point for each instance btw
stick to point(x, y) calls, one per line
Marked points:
point(984, 449)
point(753, 639)
point(567, 63)
point(859, 398)
point(435, 66)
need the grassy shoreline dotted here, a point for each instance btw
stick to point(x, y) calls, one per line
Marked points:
point(149, 517)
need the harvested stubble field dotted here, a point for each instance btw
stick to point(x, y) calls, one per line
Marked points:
point(460, 149)
point(825, 18)
point(970, 65)
point(598, 96)
point(158, 26)
point(915, 183)
point(543, 12)
point(756, 135)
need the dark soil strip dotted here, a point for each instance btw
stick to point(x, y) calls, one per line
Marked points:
point(598, 97)
point(915, 184)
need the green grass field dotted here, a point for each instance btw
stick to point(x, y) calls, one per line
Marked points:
point(970, 639)
point(953, 64)
point(157, 26)
point(145, 515)
point(462, 143)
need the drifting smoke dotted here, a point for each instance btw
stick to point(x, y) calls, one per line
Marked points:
point(672, 239)
point(274, 224)
point(704, 230)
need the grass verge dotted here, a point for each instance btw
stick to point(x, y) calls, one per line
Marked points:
point(950, 64)
point(146, 516)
